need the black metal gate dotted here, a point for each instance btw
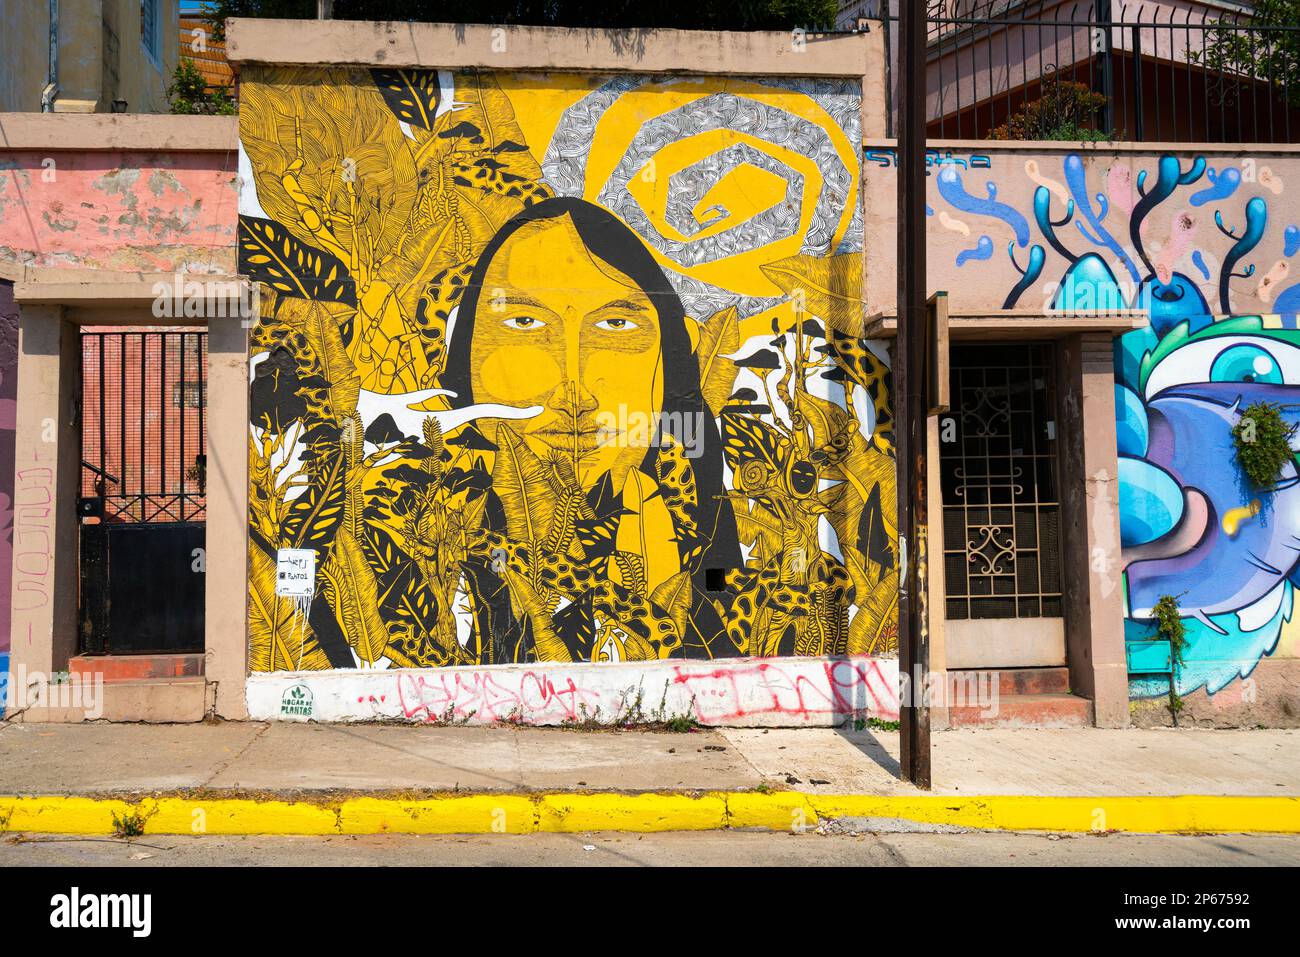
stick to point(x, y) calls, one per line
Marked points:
point(997, 458)
point(142, 501)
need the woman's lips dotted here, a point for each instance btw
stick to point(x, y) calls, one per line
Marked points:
point(586, 434)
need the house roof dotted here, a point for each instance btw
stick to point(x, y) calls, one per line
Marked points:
point(210, 61)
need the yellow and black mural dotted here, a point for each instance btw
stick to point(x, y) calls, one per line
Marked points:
point(561, 368)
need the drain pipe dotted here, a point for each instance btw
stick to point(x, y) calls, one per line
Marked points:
point(52, 74)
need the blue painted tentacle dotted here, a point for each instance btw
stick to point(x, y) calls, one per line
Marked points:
point(1043, 216)
point(1028, 276)
point(1256, 220)
point(951, 189)
point(1169, 178)
point(1076, 178)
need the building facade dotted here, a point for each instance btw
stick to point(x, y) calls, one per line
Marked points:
point(567, 393)
point(87, 56)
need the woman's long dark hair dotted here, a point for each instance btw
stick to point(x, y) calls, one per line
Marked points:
point(614, 243)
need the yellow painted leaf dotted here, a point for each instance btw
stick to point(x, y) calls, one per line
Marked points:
point(519, 480)
point(830, 287)
point(719, 338)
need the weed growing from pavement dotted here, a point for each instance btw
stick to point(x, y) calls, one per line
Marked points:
point(875, 724)
point(131, 824)
point(1169, 625)
point(632, 716)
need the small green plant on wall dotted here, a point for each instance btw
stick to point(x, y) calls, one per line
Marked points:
point(1263, 440)
point(189, 93)
point(1169, 626)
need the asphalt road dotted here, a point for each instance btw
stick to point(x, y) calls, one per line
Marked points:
point(715, 848)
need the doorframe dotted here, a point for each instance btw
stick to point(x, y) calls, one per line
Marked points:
point(44, 629)
point(1089, 490)
point(1040, 641)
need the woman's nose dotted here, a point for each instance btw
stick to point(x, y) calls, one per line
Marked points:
point(570, 397)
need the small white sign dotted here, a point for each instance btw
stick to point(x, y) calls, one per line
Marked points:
point(295, 573)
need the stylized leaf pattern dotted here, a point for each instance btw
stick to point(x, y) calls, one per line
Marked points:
point(270, 254)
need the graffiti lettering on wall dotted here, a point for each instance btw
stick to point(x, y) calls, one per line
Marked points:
point(561, 369)
point(887, 157)
point(790, 692)
point(1191, 245)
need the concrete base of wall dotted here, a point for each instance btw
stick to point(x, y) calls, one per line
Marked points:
point(1269, 698)
point(772, 692)
point(152, 701)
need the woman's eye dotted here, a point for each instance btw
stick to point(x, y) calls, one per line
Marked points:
point(616, 325)
point(524, 322)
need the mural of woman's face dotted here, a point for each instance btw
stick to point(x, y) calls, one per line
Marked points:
point(558, 327)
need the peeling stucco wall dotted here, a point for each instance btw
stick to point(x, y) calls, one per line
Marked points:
point(123, 211)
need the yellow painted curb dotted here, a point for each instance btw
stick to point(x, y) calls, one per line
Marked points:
point(570, 812)
point(631, 812)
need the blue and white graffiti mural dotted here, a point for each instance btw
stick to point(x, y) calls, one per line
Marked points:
point(1194, 243)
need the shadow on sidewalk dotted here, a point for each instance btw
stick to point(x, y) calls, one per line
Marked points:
point(871, 747)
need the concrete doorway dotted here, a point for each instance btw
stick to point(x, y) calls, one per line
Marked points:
point(141, 502)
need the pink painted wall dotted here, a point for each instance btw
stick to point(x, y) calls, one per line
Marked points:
point(123, 211)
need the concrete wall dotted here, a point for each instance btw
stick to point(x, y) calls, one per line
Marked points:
point(1192, 247)
point(101, 56)
point(8, 412)
point(95, 211)
point(116, 210)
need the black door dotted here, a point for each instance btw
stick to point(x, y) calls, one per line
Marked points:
point(142, 502)
point(1001, 511)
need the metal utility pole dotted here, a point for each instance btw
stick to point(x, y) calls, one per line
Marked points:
point(910, 391)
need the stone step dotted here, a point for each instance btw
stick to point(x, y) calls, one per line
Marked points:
point(138, 667)
point(1025, 711)
point(1015, 680)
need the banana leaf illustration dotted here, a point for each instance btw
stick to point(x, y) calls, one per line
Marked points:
point(269, 253)
point(674, 596)
point(320, 327)
point(348, 585)
point(520, 482)
point(546, 643)
point(719, 338)
point(874, 628)
point(646, 530)
point(829, 287)
point(316, 514)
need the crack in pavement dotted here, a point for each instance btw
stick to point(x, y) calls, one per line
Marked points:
point(223, 766)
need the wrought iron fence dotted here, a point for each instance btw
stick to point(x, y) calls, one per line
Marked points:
point(1161, 70)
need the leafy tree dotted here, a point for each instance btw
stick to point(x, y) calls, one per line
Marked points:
point(1066, 110)
point(1265, 55)
point(189, 92)
point(613, 14)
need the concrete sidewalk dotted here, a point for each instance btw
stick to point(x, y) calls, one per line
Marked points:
point(291, 760)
